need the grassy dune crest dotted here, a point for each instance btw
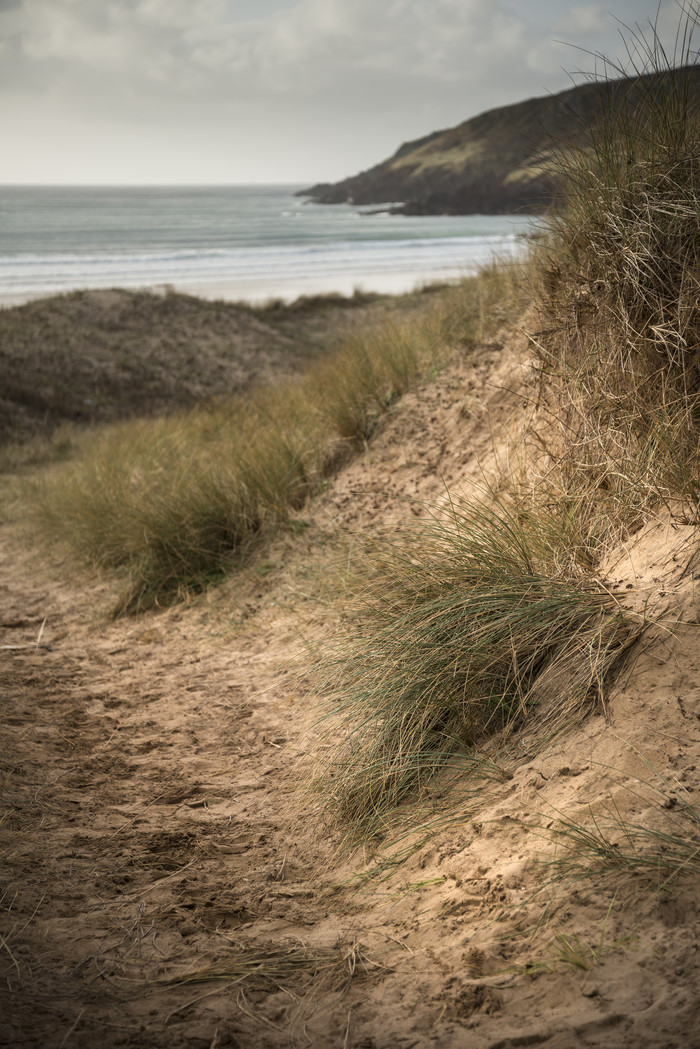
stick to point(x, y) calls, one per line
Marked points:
point(619, 296)
point(495, 619)
point(174, 502)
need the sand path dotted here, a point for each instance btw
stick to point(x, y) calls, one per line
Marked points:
point(163, 885)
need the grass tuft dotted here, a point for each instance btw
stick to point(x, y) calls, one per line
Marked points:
point(664, 852)
point(267, 964)
point(462, 631)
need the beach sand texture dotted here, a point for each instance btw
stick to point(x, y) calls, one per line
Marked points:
point(156, 843)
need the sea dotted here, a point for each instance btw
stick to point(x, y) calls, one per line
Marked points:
point(249, 243)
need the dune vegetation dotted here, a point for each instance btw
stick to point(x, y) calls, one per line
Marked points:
point(492, 614)
point(174, 502)
point(392, 736)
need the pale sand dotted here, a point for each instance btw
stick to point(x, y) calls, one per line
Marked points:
point(256, 291)
point(292, 287)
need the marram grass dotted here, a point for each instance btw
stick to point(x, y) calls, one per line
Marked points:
point(663, 851)
point(174, 503)
point(618, 289)
point(463, 629)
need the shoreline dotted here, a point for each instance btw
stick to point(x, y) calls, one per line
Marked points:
point(257, 291)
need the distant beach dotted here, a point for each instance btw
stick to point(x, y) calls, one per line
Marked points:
point(250, 243)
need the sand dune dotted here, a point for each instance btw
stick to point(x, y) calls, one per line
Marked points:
point(166, 884)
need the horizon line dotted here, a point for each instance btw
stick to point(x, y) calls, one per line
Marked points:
point(147, 185)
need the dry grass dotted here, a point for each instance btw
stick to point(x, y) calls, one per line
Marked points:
point(176, 502)
point(663, 852)
point(464, 629)
point(256, 964)
point(618, 291)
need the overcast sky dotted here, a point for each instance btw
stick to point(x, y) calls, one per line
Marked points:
point(236, 91)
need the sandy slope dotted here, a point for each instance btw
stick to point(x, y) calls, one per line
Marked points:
point(154, 834)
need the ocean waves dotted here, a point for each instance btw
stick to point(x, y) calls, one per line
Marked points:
point(62, 272)
point(242, 242)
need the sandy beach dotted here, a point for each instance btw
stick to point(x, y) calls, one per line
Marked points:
point(235, 244)
point(291, 288)
point(286, 289)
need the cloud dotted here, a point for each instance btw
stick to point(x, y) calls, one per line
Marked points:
point(354, 73)
point(588, 21)
point(300, 48)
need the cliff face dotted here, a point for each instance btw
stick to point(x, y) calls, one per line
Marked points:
point(499, 162)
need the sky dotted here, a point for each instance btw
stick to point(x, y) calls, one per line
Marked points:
point(275, 91)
